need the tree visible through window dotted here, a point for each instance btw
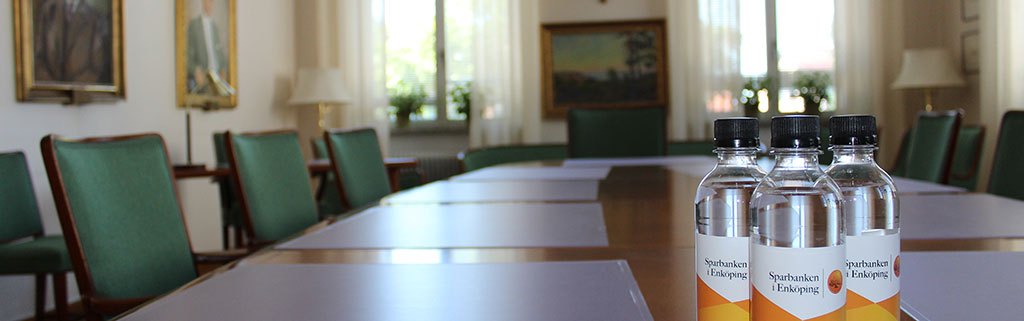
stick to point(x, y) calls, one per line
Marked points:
point(417, 58)
point(800, 34)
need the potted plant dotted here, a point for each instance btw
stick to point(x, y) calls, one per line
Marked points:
point(813, 88)
point(461, 98)
point(406, 100)
point(749, 95)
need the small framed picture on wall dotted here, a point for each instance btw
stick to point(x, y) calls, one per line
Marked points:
point(969, 52)
point(969, 10)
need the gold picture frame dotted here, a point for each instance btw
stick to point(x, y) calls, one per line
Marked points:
point(67, 71)
point(616, 64)
point(199, 26)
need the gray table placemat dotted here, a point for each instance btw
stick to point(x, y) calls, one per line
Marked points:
point(955, 216)
point(535, 173)
point(959, 286)
point(463, 225)
point(497, 191)
point(584, 290)
point(635, 161)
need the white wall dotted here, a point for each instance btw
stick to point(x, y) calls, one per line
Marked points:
point(266, 63)
point(559, 11)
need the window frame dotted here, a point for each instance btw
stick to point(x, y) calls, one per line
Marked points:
point(440, 96)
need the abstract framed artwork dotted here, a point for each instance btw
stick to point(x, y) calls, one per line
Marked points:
point(205, 47)
point(69, 51)
point(603, 65)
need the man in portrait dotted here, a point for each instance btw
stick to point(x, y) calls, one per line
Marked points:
point(205, 50)
point(72, 42)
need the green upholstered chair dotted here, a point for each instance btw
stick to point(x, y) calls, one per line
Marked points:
point(273, 184)
point(930, 155)
point(122, 222)
point(900, 169)
point(691, 148)
point(19, 219)
point(328, 197)
point(477, 158)
point(357, 161)
point(230, 210)
point(1007, 169)
point(622, 132)
point(967, 157)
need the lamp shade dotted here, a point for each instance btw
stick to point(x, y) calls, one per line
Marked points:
point(319, 85)
point(927, 68)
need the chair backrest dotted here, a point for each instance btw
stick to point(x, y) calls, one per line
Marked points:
point(684, 148)
point(900, 169)
point(272, 180)
point(119, 210)
point(231, 212)
point(19, 213)
point(967, 157)
point(624, 132)
point(328, 198)
point(931, 147)
point(320, 148)
point(359, 165)
point(1007, 172)
point(474, 159)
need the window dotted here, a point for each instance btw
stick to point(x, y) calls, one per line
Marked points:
point(781, 39)
point(431, 52)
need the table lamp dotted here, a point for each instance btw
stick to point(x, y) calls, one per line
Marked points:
point(927, 68)
point(218, 88)
point(320, 86)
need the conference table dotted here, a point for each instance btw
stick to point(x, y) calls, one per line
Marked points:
point(586, 239)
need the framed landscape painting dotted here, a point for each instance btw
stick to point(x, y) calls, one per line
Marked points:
point(205, 48)
point(68, 51)
point(603, 65)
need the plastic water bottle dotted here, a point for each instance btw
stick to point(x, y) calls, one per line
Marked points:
point(797, 246)
point(722, 218)
point(871, 209)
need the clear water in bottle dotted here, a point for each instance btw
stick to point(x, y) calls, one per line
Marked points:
point(797, 241)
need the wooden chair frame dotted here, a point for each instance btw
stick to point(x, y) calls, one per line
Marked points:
point(462, 155)
point(60, 287)
point(95, 306)
point(334, 161)
point(976, 162)
point(957, 118)
point(253, 243)
point(1002, 123)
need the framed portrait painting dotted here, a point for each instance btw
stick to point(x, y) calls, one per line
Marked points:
point(205, 49)
point(64, 48)
point(603, 65)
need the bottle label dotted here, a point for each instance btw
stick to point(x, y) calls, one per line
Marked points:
point(797, 283)
point(723, 285)
point(873, 277)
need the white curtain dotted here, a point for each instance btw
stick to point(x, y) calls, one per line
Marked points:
point(704, 62)
point(1001, 32)
point(357, 48)
point(499, 94)
point(860, 57)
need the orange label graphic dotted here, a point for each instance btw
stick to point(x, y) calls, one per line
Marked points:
point(896, 267)
point(873, 277)
point(835, 281)
point(723, 286)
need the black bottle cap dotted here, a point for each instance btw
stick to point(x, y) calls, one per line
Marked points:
point(736, 132)
point(853, 130)
point(795, 131)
